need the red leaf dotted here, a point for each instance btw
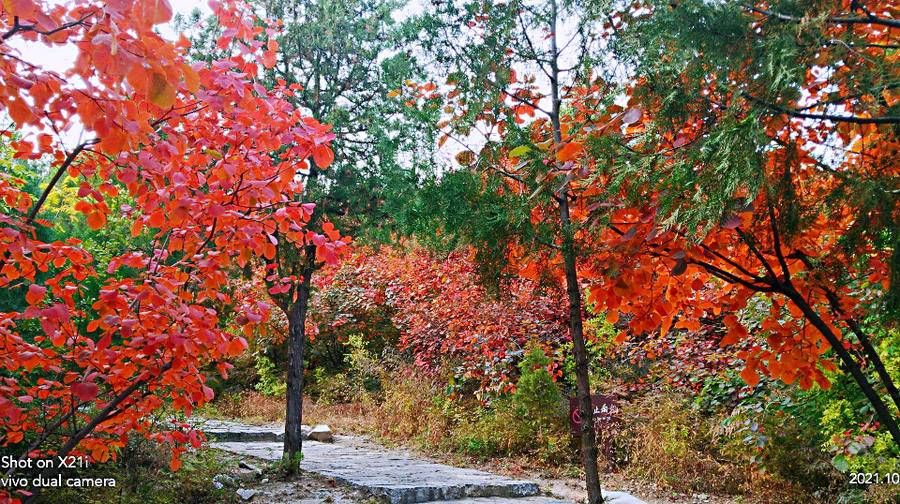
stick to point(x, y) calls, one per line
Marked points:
point(35, 294)
point(85, 391)
point(323, 156)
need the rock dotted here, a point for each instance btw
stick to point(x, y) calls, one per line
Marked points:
point(621, 498)
point(246, 493)
point(395, 476)
point(264, 481)
point(304, 432)
point(248, 465)
point(255, 472)
point(321, 433)
point(220, 481)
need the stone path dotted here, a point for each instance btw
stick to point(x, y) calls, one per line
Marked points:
point(397, 476)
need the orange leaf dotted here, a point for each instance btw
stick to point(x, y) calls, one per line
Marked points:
point(20, 112)
point(113, 141)
point(35, 294)
point(569, 152)
point(191, 79)
point(750, 376)
point(175, 463)
point(236, 346)
point(96, 220)
point(14, 436)
point(151, 12)
point(269, 58)
point(323, 156)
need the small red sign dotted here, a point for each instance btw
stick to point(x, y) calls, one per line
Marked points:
point(606, 413)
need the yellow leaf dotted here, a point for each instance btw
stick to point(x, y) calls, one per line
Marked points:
point(162, 94)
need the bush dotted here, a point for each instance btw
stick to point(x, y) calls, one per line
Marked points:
point(271, 383)
point(333, 389)
point(361, 381)
point(143, 477)
point(531, 420)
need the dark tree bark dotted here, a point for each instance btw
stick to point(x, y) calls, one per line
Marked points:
point(589, 450)
point(293, 441)
point(851, 365)
point(573, 291)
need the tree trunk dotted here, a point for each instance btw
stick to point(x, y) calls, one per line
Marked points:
point(573, 291)
point(881, 410)
point(869, 350)
point(293, 441)
point(582, 372)
point(110, 410)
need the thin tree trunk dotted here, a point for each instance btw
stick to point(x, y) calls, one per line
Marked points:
point(293, 440)
point(105, 414)
point(573, 290)
point(582, 374)
point(881, 410)
point(868, 348)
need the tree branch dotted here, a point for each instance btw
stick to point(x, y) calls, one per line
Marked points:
point(58, 175)
point(867, 19)
point(823, 117)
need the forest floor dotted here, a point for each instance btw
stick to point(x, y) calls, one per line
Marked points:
point(361, 462)
point(273, 488)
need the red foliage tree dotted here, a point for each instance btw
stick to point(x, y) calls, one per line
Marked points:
point(208, 159)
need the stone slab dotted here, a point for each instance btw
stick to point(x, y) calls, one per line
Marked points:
point(397, 476)
point(504, 500)
point(224, 430)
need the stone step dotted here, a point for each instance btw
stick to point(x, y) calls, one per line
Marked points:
point(397, 476)
point(608, 498)
point(506, 500)
point(228, 431)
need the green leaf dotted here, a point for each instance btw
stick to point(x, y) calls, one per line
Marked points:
point(520, 151)
point(840, 463)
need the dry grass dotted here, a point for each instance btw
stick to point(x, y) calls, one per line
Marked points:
point(253, 407)
point(249, 406)
point(671, 445)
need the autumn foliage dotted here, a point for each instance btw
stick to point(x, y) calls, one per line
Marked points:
point(208, 161)
point(442, 311)
point(730, 190)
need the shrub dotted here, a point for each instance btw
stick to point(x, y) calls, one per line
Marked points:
point(270, 383)
point(531, 420)
point(333, 388)
point(143, 477)
point(359, 382)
